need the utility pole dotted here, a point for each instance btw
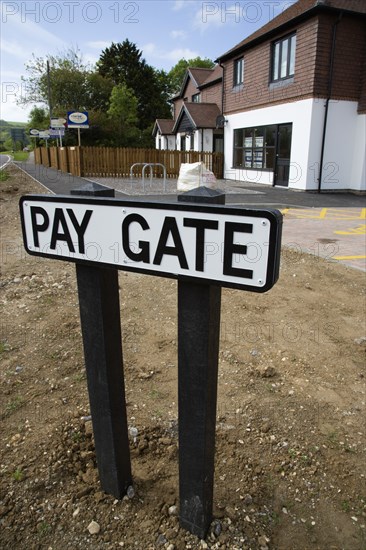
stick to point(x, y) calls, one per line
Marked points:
point(49, 90)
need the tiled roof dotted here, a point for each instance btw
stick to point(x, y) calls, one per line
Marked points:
point(203, 115)
point(300, 9)
point(165, 125)
point(200, 74)
point(215, 74)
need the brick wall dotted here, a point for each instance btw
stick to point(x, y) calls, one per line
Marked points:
point(349, 61)
point(314, 41)
point(212, 94)
point(257, 90)
point(190, 90)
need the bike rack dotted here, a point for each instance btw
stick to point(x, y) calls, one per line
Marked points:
point(150, 165)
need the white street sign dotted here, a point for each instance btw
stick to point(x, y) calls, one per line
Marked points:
point(223, 245)
point(58, 122)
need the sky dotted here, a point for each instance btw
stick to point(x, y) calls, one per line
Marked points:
point(165, 30)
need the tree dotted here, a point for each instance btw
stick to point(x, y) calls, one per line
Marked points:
point(176, 73)
point(73, 84)
point(38, 118)
point(123, 64)
point(123, 113)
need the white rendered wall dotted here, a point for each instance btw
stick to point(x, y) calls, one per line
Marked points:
point(299, 114)
point(203, 140)
point(345, 146)
point(344, 165)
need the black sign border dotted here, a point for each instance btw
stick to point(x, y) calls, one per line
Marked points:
point(273, 215)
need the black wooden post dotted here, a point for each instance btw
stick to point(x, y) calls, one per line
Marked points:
point(199, 308)
point(101, 329)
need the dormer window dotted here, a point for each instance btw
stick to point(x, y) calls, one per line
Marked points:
point(283, 58)
point(238, 72)
point(196, 98)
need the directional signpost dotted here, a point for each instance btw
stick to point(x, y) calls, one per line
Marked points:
point(203, 246)
point(57, 128)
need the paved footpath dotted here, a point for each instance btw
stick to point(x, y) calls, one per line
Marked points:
point(337, 234)
point(330, 225)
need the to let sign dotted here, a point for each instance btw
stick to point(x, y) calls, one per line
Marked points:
point(221, 245)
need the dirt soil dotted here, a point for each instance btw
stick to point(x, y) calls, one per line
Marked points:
point(290, 441)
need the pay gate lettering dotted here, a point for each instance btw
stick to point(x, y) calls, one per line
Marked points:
point(233, 247)
point(65, 223)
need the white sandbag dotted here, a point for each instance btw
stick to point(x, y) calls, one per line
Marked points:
point(193, 175)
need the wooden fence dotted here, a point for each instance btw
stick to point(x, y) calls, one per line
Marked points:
point(116, 162)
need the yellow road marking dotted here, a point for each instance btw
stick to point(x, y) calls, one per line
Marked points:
point(327, 213)
point(323, 213)
point(361, 230)
point(349, 257)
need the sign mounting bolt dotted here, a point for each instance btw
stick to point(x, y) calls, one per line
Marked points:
point(260, 281)
point(264, 222)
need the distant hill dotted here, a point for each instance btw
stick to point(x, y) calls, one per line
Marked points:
point(5, 127)
point(6, 123)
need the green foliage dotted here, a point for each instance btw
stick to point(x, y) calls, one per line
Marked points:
point(17, 475)
point(123, 113)
point(43, 528)
point(176, 73)
point(3, 177)
point(123, 64)
point(6, 128)
point(38, 118)
point(123, 94)
point(74, 84)
point(13, 405)
point(123, 105)
point(20, 156)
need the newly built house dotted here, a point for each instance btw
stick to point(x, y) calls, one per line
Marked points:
point(290, 98)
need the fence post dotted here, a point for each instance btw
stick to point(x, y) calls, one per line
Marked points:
point(101, 330)
point(199, 306)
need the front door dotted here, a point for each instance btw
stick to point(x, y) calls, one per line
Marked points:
point(218, 143)
point(283, 154)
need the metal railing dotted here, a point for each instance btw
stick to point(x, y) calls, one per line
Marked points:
point(150, 165)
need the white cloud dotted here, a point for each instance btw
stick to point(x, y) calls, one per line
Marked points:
point(154, 52)
point(12, 112)
point(178, 5)
point(14, 48)
point(179, 53)
point(178, 34)
point(215, 14)
point(99, 44)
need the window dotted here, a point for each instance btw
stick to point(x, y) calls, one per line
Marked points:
point(191, 146)
point(196, 98)
point(283, 58)
point(254, 148)
point(238, 72)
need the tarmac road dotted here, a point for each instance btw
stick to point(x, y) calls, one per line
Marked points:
point(4, 159)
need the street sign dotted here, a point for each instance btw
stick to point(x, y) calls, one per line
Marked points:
point(57, 132)
point(220, 245)
point(76, 119)
point(58, 122)
point(205, 246)
point(34, 132)
point(44, 134)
